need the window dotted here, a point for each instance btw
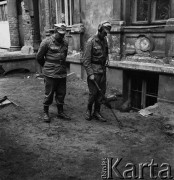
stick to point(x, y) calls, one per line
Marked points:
point(3, 10)
point(64, 11)
point(143, 90)
point(150, 11)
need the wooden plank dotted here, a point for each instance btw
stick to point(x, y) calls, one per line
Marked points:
point(129, 89)
point(143, 95)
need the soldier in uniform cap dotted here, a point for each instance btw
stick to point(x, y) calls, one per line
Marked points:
point(51, 56)
point(94, 60)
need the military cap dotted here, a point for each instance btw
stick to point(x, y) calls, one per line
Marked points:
point(106, 26)
point(61, 28)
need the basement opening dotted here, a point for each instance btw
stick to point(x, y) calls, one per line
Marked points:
point(17, 71)
point(142, 88)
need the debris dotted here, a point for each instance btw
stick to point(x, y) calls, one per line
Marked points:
point(72, 76)
point(152, 107)
point(148, 110)
point(4, 101)
point(126, 106)
point(145, 112)
point(168, 127)
point(27, 50)
point(39, 76)
point(111, 97)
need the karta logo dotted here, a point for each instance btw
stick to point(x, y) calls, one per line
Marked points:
point(111, 169)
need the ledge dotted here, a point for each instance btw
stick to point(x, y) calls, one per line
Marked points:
point(16, 57)
point(17, 60)
point(144, 29)
point(161, 69)
point(74, 58)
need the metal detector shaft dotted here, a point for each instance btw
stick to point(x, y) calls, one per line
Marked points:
point(106, 103)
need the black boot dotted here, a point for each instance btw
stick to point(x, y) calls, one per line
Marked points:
point(88, 115)
point(46, 117)
point(97, 115)
point(61, 114)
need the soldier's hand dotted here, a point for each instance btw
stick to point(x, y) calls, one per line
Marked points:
point(91, 77)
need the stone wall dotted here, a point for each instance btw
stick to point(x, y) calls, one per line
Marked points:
point(13, 26)
point(42, 17)
point(28, 25)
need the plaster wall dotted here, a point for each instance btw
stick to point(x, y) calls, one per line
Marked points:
point(115, 78)
point(166, 88)
point(93, 12)
point(4, 34)
point(77, 69)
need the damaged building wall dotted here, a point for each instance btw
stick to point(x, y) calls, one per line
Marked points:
point(28, 22)
point(137, 44)
point(24, 35)
point(88, 13)
point(13, 24)
point(21, 23)
point(47, 16)
point(42, 16)
point(133, 46)
point(93, 12)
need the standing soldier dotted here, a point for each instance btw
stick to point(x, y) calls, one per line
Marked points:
point(94, 60)
point(52, 57)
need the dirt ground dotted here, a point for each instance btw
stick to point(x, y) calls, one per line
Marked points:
point(71, 150)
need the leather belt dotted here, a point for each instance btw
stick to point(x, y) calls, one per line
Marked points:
point(96, 62)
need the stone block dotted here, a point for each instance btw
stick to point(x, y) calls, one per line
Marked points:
point(77, 28)
point(27, 50)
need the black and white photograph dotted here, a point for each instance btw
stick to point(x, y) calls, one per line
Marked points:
point(86, 89)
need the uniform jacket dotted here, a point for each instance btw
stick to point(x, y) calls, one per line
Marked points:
point(52, 56)
point(95, 56)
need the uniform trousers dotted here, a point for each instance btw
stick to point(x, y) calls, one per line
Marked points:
point(55, 86)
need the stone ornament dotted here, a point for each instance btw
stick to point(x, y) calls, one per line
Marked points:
point(142, 44)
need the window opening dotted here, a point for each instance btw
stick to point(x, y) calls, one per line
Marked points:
point(144, 89)
point(64, 11)
point(161, 10)
point(150, 11)
point(3, 10)
point(142, 10)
